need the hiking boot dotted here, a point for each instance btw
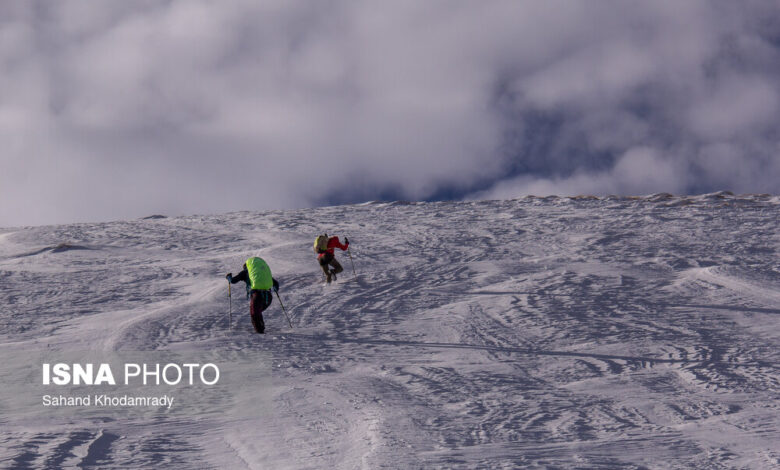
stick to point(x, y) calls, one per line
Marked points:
point(333, 274)
point(327, 281)
point(258, 323)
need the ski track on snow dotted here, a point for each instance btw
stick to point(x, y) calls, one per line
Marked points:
point(533, 333)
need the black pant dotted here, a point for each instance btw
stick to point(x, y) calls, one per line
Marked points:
point(259, 301)
point(329, 259)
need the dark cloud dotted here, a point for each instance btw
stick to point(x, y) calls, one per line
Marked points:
point(123, 109)
point(663, 96)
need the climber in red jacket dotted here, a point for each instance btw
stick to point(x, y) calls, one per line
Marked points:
point(325, 248)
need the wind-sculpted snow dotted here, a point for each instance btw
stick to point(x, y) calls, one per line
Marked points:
point(531, 333)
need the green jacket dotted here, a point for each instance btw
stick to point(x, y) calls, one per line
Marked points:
point(256, 274)
point(259, 274)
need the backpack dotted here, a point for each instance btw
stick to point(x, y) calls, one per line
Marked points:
point(321, 244)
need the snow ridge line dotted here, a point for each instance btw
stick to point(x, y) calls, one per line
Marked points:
point(527, 351)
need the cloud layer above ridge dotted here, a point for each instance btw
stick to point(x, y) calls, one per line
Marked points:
point(123, 109)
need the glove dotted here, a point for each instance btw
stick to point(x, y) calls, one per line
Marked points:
point(276, 289)
point(229, 276)
point(346, 241)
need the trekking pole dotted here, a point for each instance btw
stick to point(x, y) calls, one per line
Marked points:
point(230, 311)
point(283, 309)
point(353, 263)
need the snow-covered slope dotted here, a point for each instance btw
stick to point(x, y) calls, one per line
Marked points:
point(532, 333)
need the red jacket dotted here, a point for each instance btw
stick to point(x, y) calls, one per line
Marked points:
point(333, 243)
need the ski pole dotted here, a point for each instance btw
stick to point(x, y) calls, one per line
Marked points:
point(230, 311)
point(283, 309)
point(353, 263)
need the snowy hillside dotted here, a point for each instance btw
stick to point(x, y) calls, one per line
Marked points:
point(531, 333)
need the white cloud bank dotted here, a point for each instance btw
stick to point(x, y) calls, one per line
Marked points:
point(639, 171)
point(122, 109)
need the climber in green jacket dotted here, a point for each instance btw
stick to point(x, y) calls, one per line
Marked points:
point(257, 276)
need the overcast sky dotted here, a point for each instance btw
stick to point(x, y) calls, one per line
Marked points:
point(122, 109)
